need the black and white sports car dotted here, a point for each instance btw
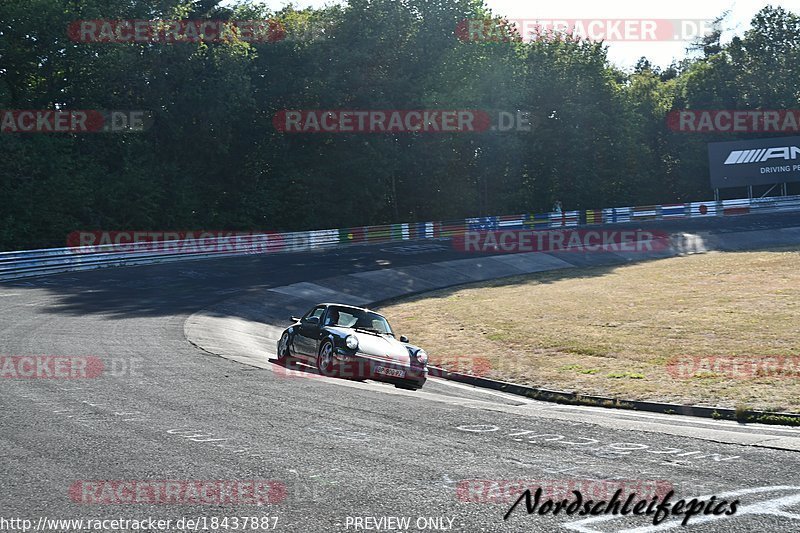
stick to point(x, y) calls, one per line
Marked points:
point(346, 341)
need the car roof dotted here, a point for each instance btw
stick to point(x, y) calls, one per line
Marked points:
point(328, 304)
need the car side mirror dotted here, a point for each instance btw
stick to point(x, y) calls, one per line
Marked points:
point(294, 319)
point(403, 338)
point(312, 320)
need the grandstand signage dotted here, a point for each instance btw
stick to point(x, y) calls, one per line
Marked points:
point(754, 162)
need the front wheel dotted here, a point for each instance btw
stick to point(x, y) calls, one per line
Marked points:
point(325, 359)
point(283, 348)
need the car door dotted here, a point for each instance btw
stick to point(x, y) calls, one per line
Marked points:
point(305, 339)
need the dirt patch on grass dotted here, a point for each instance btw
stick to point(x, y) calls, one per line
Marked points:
point(617, 331)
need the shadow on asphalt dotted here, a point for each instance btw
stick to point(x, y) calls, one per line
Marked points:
point(172, 289)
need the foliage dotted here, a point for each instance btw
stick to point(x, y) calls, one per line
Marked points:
point(212, 158)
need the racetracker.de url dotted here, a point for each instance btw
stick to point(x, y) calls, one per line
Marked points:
point(124, 525)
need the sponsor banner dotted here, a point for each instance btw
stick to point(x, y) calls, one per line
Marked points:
point(594, 216)
point(430, 229)
point(50, 367)
point(537, 221)
point(417, 230)
point(482, 223)
point(736, 207)
point(73, 121)
point(702, 209)
point(507, 491)
point(645, 212)
point(564, 219)
point(504, 30)
point(397, 232)
point(175, 31)
point(452, 228)
point(734, 121)
point(510, 221)
point(352, 235)
point(735, 366)
point(186, 242)
point(613, 215)
point(178, 492)
point(295, 242)
point(673, 211)
point(323, 237)
point(521, 241)
point(379, 234)
point(754, 162)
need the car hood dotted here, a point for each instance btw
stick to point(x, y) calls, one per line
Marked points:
point(380, 346)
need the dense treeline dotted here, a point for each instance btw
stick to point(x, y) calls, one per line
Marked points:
point(212, 158)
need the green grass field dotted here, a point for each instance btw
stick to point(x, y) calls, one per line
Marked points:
point(614, 330)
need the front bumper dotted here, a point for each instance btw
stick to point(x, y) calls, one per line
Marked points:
point(363, 366)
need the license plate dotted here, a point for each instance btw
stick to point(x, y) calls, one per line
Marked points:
point(391, 372)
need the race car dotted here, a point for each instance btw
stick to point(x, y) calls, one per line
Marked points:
point(347, 341)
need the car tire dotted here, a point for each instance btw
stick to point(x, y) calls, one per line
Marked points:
point(325, 359)
point(283, 348)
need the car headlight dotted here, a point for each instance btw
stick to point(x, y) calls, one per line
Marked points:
point(351, 342)
point(422, 356)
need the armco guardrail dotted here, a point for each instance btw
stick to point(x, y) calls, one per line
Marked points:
point(28, 263)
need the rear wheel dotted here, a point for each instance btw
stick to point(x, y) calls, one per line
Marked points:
point(325, 359)
point(283, 348)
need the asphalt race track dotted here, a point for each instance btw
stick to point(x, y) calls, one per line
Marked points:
point(166, 410)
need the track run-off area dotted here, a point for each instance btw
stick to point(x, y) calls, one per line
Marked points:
point(338, 455)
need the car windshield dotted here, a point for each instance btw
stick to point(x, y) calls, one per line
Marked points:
point(349, 317)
